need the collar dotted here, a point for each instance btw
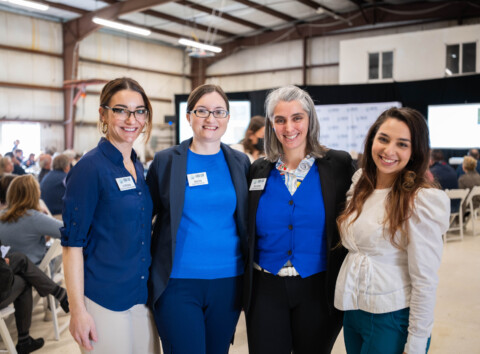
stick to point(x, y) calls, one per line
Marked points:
point(305, 164)
point(112, 153)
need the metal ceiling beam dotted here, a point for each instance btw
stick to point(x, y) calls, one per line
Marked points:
point(178, 20)
point(223, 15)
point(316, 6)
point(76, 30)
point(416, 11)
point(359, 3)
point(267, 10)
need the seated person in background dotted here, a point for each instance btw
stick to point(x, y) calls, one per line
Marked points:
point(17, 162)
point(472, 153)
point(6, 166)
point(4, 183)
point(17, 276)
point(45, 164)
point(22, 224)
point(30, 161)
point(470, 178)
point(444, 175)
point(253, 144)
point(52, 186)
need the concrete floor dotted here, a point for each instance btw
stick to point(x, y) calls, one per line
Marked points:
point(457, 313)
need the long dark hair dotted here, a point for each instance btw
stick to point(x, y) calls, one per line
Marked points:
point(399, 204)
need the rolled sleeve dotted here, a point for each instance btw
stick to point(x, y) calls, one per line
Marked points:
point(79, 203)
point(426, 226)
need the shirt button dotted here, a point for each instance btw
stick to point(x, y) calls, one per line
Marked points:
point(76, 209)
point(289, 252)
point(143, 243)
point(290, 202)
point(74, 223)
point(143, 225)
point(142, 277)
point(290, 227)
point(139, 193)
point(143, 208)
point(143, 259)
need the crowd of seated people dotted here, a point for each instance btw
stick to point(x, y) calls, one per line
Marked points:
point(26, 225)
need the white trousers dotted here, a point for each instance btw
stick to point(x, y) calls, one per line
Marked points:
point(123, 332)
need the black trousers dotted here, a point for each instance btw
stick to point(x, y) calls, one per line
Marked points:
point(26, 275)
point(291, 314)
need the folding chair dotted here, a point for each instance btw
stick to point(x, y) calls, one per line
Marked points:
point(4, 333)
point(461, 195)
point(474, 212)
point(54, 251)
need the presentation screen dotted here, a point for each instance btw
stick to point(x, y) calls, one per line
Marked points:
point(455, 126)
point(239, 120)
point(344, 126)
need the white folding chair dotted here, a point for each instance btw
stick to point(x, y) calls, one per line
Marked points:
point(474, 212)
point(4, 333)
point(54, 251)
point(461, 195)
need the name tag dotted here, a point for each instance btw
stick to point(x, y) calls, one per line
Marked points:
point(258, 184)
point(197, 179)
point(125, 183)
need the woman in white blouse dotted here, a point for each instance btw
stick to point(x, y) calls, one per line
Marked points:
point(392, 227)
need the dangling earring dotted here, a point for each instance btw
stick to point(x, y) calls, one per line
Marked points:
point(104, 128)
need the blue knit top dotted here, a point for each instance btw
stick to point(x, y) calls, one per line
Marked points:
point(208, 245)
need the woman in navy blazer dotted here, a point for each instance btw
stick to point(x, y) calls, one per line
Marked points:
point(296, 193)
point(199, 242)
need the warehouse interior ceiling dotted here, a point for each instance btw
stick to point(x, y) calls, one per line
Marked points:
point(237, 24)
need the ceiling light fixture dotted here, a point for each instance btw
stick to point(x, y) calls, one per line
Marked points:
point(121, 26)
point(194, 44)
point(30, 4)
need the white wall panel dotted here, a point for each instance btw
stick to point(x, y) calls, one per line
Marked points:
point(31, 69)
point(323, 76)
point(258, 81)
point(31, 104)
point(127, 51)
point(32, 33)
point(282, 55)
point(51, 137)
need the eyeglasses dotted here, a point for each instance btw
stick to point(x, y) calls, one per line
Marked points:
point(123, 113)
point(204, 113)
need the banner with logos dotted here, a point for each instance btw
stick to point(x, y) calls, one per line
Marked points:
point(344, 126)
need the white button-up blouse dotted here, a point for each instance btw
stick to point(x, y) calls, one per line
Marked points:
point(377, 277)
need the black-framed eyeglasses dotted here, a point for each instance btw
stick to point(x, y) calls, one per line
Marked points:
point(140, 114)
point(204, 113)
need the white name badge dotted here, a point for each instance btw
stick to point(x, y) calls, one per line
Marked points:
point(197, 179)
point(258, 184)
point(125, 183)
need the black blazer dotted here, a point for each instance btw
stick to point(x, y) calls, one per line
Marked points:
point(166, 179)
point(335, 169)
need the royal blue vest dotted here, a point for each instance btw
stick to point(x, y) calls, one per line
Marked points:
point(291, 227)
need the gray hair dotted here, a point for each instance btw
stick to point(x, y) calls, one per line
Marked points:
point(273, 148)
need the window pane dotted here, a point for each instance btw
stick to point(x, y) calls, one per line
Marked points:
point(387, 65)
point(453, 52)
point(469, 57)
point(373, 65)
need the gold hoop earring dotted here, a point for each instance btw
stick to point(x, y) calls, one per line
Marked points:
point(104, 128)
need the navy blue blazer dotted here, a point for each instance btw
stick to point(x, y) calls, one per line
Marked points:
point(335, 169)
point(167, 178)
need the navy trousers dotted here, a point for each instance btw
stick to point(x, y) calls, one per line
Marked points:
point(198, 315)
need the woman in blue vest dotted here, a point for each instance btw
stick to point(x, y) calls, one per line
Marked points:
point(296, 193)
point(199, 190)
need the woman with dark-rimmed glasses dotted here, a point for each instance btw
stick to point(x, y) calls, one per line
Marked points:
point(107, 231)
point(199, 191)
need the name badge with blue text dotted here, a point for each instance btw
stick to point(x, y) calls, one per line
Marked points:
point(258, 184)
point(125, 183)
point(197, 179)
